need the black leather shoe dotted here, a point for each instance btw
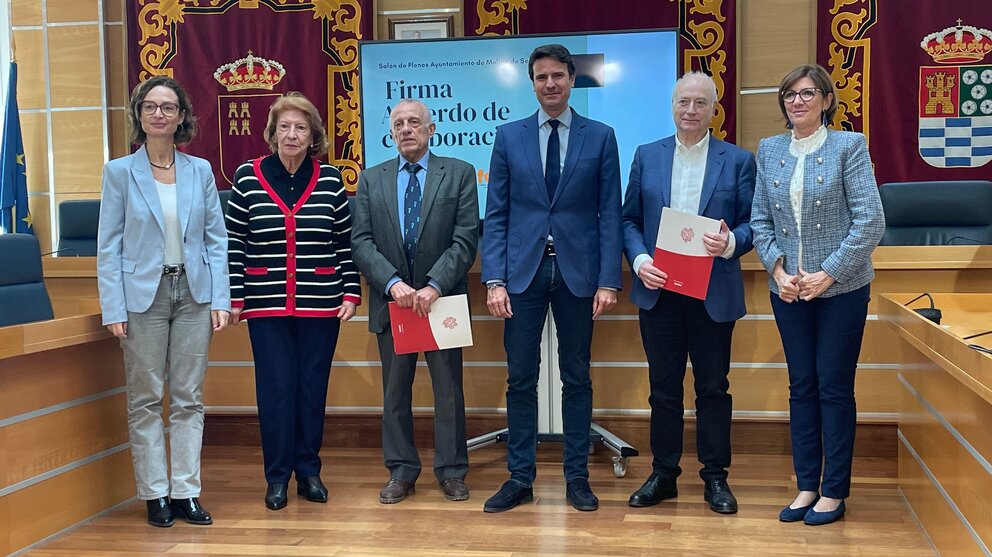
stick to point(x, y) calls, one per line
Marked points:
point(275, 496)
point(454, 489)
point(312, 488)
point(396, 490)
point(655, 490)
point(510, 495)
point(580, 495)
point(719, 496)
point(191, 511)
point(159, 513)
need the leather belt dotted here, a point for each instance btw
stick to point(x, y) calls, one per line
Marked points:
point(549, 250)
point(173, 270)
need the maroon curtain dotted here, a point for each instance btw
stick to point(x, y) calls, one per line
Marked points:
point(926, 68)
point(234, 57)
point(707, 29)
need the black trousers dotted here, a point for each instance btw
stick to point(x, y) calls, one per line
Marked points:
point(678, 327)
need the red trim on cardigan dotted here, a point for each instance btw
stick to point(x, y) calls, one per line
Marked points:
point(287, 313)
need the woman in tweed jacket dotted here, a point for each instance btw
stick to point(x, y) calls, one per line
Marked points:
point(293, 279)
point(816, 219)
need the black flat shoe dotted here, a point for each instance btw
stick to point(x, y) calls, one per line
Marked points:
point(191, 511)
point(159, 513)
point(510, 495)
point(275, 496)
point(655, 490)
point(580, 495)
point(312, 488)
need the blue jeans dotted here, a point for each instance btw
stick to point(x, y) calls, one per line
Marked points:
point(522, 341)
point(822, 341)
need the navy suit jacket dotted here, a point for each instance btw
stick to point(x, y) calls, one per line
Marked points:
point(728, 189)
point(583, 217)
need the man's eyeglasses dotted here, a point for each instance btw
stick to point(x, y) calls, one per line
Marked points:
point(806, 94)
point(168, 109)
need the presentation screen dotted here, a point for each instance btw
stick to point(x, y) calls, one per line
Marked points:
point(474, 85)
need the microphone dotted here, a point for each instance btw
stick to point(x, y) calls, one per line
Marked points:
point(931, 313)
point(967, 240)
point(67, 250)
point(980, 348)
point(969, 337)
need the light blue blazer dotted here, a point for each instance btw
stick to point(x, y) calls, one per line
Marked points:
point(842, 216)
point(131, 237)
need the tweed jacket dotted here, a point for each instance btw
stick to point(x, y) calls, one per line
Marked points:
point(842, 218)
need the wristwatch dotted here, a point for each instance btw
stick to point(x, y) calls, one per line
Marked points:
point(495, 284)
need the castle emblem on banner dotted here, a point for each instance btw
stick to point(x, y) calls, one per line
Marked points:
point(955, 99)
point(242, 114)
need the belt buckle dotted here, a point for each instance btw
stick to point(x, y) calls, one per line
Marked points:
point(172, 270)
point(549, 250)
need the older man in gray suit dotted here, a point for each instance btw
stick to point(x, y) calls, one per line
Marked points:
point(414, 237)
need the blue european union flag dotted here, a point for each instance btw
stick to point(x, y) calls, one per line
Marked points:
point(13, 176)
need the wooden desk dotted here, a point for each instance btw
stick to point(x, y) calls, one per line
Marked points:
point(945, 447)
point(71, 284)
point(64, 453)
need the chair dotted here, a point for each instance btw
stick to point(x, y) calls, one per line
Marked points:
point(225, 197)
point(78, 223)
point(23, 297)
point(937, 213)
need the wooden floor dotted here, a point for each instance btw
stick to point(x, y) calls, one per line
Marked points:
point(878, 523)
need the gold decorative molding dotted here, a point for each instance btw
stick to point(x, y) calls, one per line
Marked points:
point(848, 56)
point(499, 15)
point(703, 29)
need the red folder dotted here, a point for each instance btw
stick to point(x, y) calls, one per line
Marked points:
point(680, 252)
point(448, 325)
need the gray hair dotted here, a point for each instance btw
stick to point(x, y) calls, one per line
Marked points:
point(424, 111)
point(695, 75)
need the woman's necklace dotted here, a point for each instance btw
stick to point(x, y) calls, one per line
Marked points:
point(163, 166)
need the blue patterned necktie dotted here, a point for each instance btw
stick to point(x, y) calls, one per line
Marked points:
point(411, 213)
point(552, 162)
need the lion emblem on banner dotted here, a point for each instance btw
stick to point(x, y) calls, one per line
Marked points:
point(243, 114)
point(955, 99)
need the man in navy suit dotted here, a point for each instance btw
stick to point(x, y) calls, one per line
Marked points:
point(695, 173)
point(553, 237)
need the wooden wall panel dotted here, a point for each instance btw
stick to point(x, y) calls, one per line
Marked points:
point(115, 38)
point(42, 218)
point(32, 382)
point(78, 150)
point(34, 130)
point(770, 47)
point(45, 508)
point(760, 117)
point(113, 10)
point(31, 82)
point(62, 11)
point(74, 56)
point(25, 12)
point(45, 443)
point(117, 134)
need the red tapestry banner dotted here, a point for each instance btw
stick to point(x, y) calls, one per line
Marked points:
point(708, 31)
point(235, 57)
point(926, 68)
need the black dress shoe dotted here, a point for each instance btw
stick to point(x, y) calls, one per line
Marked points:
point(275, 496)
point(454, 489)
point(719, 496)
point(580, 495)
point(159, 513)
point(510, 495)
point(191, 511)
point(312, 488)
point(655, 490)
point(396, 490)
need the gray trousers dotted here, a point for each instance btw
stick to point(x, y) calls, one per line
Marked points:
point(168, 341)
point(399, 451)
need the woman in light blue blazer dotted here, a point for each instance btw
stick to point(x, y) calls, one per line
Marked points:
point(164, 289)
point(816, 219)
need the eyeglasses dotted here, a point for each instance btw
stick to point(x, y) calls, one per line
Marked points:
point(168, 109)
point(806, 94)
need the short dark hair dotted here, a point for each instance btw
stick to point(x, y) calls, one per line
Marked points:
point(187, 128)
point(556, 51)
point(821, 78)
point(294, 100)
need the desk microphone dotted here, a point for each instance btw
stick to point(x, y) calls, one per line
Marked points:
point(967, 241)
point(931, 313)
point(969, 337)
point(69, 251)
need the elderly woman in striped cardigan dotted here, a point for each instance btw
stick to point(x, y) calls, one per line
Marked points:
point(293, 280)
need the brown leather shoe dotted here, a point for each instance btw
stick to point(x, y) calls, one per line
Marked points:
point(454, 489)
point(395, 491)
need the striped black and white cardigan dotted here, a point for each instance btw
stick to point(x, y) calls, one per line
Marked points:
point(290, 262)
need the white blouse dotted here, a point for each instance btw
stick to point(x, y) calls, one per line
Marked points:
point(800, 148)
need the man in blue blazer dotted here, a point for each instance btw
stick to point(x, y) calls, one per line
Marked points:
point(552, 236)
point(695, 173)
